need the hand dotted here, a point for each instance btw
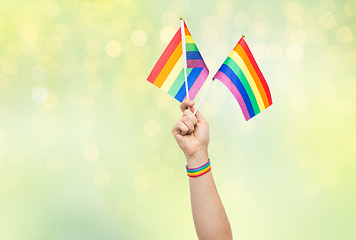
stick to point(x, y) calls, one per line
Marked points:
point(192, 134)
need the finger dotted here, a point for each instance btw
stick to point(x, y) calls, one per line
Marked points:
point(200, 117)
point(186, 104)
point(180, 129)
point(191, 115)
point(188, 122)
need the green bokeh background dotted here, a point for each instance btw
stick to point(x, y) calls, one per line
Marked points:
point(85, 145)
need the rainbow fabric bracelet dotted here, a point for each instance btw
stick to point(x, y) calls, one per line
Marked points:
point(196, 172)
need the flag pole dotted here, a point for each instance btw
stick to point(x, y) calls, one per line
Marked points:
point(184, 55)
point(196, 109)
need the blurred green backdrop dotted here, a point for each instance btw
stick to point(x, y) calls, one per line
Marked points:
point(86, 150)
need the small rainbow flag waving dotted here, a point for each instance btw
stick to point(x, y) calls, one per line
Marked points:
point(168, 73)
point(241, 75)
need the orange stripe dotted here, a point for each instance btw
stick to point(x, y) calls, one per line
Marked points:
point(257, 80)
point(173, 59)
point(187, 31)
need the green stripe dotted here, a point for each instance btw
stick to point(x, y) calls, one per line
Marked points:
point(191, 47)
point(178, 82)
point(237, 70)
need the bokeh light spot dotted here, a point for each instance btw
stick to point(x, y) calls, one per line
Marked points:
point(152, 128)
point(293, 10)
point(275, 50)
point(52, 102)
point(53, 42)
point(327, 5)
point(344, 35)
point(299, 37)
point(50, 8)
point(138, 38)
point(294, 53)
point(350, 8)
point(333, 54)
point(70, 70)
point(29, 33)
point(166, 34)
point(91, 152)
point(169, 19)
point(113, 48)
point(260, 50)
point(350, 59)
point(327, 20)
point(40, 95)
point(8, 65)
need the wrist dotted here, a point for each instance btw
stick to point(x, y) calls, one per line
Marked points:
point(197, 159)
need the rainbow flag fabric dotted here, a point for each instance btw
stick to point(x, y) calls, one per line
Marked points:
point(242, 76)
point(168, 72)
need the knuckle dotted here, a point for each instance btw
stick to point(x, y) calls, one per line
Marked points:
point(185, 118)
point(182, 125)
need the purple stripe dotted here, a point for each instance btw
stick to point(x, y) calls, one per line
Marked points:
point(194, 63)
point(230, 85)
point(198, 83)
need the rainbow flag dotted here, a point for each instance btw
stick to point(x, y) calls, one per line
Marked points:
point(168, 73)
point(241, 75)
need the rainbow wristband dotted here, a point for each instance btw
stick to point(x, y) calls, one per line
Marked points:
point(199, 171)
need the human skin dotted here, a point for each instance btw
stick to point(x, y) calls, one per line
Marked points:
point(192, 135)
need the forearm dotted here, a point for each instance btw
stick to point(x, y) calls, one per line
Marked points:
point(209, 215)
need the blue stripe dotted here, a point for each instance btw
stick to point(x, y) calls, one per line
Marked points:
point(194, 55)
point(236, 81)
point(194, 74)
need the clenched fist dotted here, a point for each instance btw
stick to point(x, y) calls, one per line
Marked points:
point(192, 135)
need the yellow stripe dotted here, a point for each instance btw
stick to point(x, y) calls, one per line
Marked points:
point(200, 172)
point(238, 48)
point(173, 75)
point(189, 39)
point(171, 62)
point(236, 57)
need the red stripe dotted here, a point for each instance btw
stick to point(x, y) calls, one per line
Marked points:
point(186, 30)
point(165, 56)
point(243, 44)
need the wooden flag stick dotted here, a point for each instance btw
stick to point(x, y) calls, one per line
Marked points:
point(184, 55)
point(207, 89)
